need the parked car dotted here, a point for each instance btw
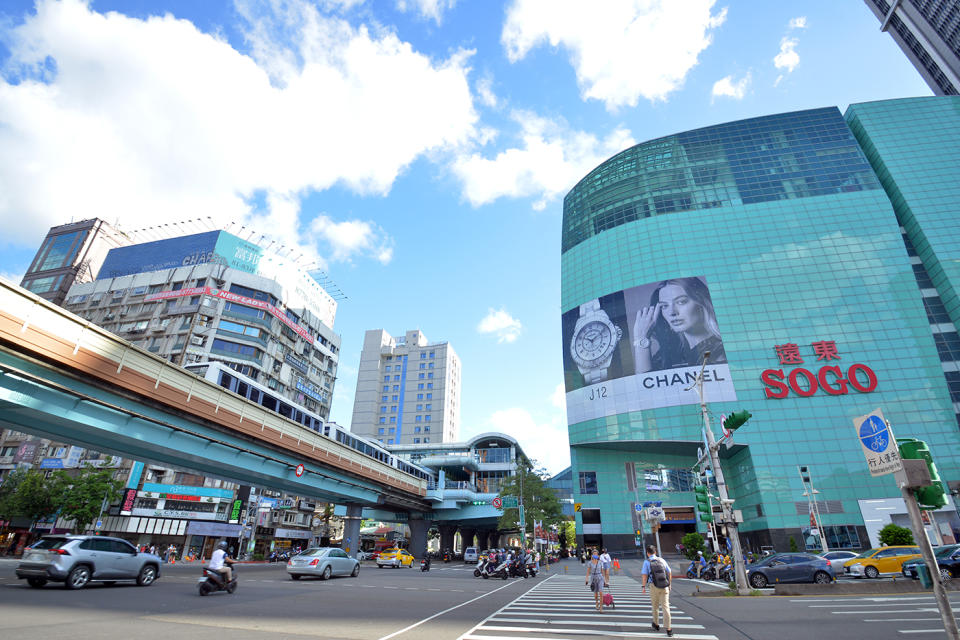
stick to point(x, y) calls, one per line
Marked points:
point(79, 560)
point(322, 562)
point(394, 558)
point(948, 560)
point(471, 555)
point(789, 567)
point(837, 559)
point(366, 555)
point(873, 563)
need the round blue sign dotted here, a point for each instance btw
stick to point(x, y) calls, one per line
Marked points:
point(874, 434)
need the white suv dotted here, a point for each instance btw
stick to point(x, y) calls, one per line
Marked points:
point(79, 560)
point(471, 555)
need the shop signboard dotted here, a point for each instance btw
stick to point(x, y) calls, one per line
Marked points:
point(829, 379)
point(129, 498)
point(27, 451)
point(642, 348)
point(297, 534)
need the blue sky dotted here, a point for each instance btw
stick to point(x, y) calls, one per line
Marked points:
point(417, 150)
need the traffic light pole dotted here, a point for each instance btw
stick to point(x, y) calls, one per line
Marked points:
point(725, 502)
point(920, 534)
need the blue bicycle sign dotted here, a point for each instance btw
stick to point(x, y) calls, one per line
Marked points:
point(874, 434)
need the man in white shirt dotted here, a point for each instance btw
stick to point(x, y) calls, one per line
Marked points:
point(220, 562)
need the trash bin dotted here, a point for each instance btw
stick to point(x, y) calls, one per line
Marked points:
point(923, 572)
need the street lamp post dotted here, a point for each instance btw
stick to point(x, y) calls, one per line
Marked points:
point(726, 504)
point(811, 495)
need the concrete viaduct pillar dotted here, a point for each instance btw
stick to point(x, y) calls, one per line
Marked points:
point(419, 527)
point(447, 532)
point(351, 529)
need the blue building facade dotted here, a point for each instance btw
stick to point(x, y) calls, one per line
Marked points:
point(769, 249)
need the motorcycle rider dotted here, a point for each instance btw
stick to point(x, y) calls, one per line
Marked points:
point(220, 562)
point(700, 563)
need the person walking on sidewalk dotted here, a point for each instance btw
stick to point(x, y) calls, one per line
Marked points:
point(595, 579)
point(656, 571)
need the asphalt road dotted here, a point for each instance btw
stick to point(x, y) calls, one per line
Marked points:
point(446, 603)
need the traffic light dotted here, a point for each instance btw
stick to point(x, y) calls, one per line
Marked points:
point(736, 419)
point(934, 496)
point(478, 503)
point(703, 504)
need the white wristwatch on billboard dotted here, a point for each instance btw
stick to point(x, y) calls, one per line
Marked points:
point(594, 342)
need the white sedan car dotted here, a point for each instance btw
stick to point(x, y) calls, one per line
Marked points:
point(322, 562)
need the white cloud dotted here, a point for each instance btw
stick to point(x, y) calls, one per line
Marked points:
point(152, 121)
point(430, 9)
point(788, 58)
point(559, 398)
point(15, 278)
point(499, 322)
point(485, 91)
point(546, 442)
point(799, 22)
point(352, 238)
point(621, 50)
point(551, 158)
point(727, 87)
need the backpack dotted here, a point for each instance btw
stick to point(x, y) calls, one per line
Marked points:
point(658, 573)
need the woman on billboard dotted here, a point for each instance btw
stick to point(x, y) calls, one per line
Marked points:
point(677, 328)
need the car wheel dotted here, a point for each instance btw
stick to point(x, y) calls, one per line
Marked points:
point(78, 578)
point(356, 571)
point(871, 572)
point(945, 574)
point(758, 581)
point(294, 576)
point(379, 566)
point(326, 573)
point(822, 577)
point(147, 575)
point(36, 582)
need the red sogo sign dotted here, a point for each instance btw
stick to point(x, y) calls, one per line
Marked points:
point(831, 379)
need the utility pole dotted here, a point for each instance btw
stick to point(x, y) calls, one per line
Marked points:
point(725, 502)
point(806, 478)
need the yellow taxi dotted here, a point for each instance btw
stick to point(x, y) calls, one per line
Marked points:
point(396, 558)
point(873, 563)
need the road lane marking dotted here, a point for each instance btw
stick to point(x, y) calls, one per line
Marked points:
point(597, 623)
point(591, 632)
point(437, 615)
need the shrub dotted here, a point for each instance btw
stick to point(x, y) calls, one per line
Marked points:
point(692, 542)
point(894, 535)
point(793, 545)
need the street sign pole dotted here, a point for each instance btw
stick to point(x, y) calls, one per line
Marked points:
point(725, 502)
point(920, 535)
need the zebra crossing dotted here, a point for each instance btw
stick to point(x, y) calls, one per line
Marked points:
point(908, 615)
point(562, 608)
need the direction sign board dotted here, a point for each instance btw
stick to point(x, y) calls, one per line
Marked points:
point(655, 514)
point(497, 502)
point(878, 444)
point(509, 502)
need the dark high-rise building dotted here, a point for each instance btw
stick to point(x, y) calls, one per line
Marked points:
point(70, 253)
point(928, 31)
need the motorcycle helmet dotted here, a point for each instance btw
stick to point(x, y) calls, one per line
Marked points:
point(222, 545)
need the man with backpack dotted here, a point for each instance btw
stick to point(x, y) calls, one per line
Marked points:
point(656, 571)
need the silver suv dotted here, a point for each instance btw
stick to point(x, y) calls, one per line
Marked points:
point(78, 560)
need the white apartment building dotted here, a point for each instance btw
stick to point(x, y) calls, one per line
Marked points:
point(408, 390)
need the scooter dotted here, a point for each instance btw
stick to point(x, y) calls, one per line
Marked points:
point(213, 581)
point(425, 563)
point(532, 568)
point(707, 573)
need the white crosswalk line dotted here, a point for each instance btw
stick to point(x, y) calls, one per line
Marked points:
point(878, 609)
point(561, 608)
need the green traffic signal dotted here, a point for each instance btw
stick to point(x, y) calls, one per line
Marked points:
point(736, 419)
point(703, 504)
point(934, 496)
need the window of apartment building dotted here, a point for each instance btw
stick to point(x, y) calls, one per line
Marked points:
point(396, 378)
point(393, 419)
point(429, 385)
point(383, 409)
point(383, 398)
point(431, 365)
point(416, 441)
point(420, 385)
point(382, 421)
point(421, 376)
point(389, 358)
point(418, 419)
point(430, 375)
point(422, 355)
point(393, 409)
point(416, 429)
point(588, 482)
point(396, 387)
point(419, 407)
point(427, 439)
point(386, 368)
point(386, 387)
point(431, 354)
point(429, 396)
point(419, 396)
point(429, 407)
point(390, 441)
point(393, 398)
point(233, 347)
point(423, 365)
point(427, 418)
point(242, 329)
point(176, 286)
point(426, 429)
point(386, 379)
point(391, 430)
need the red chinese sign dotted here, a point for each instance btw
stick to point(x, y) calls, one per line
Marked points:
point(232, 297)
point(830, 378)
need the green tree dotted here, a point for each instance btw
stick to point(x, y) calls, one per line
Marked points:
point(29, 494)
point(692, 543)
point(81, 498)
point(792, 544)
point(567, 535)
point(539, 501)
point(894, 535)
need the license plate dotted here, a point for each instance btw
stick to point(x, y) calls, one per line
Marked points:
point(35, 557)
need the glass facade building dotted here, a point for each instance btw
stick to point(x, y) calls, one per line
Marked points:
point(787, 251)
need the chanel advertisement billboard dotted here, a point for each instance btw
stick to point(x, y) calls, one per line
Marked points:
point(641, 348)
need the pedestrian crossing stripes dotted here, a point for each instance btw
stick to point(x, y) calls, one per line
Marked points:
point(908, 615)
point(562, 608)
